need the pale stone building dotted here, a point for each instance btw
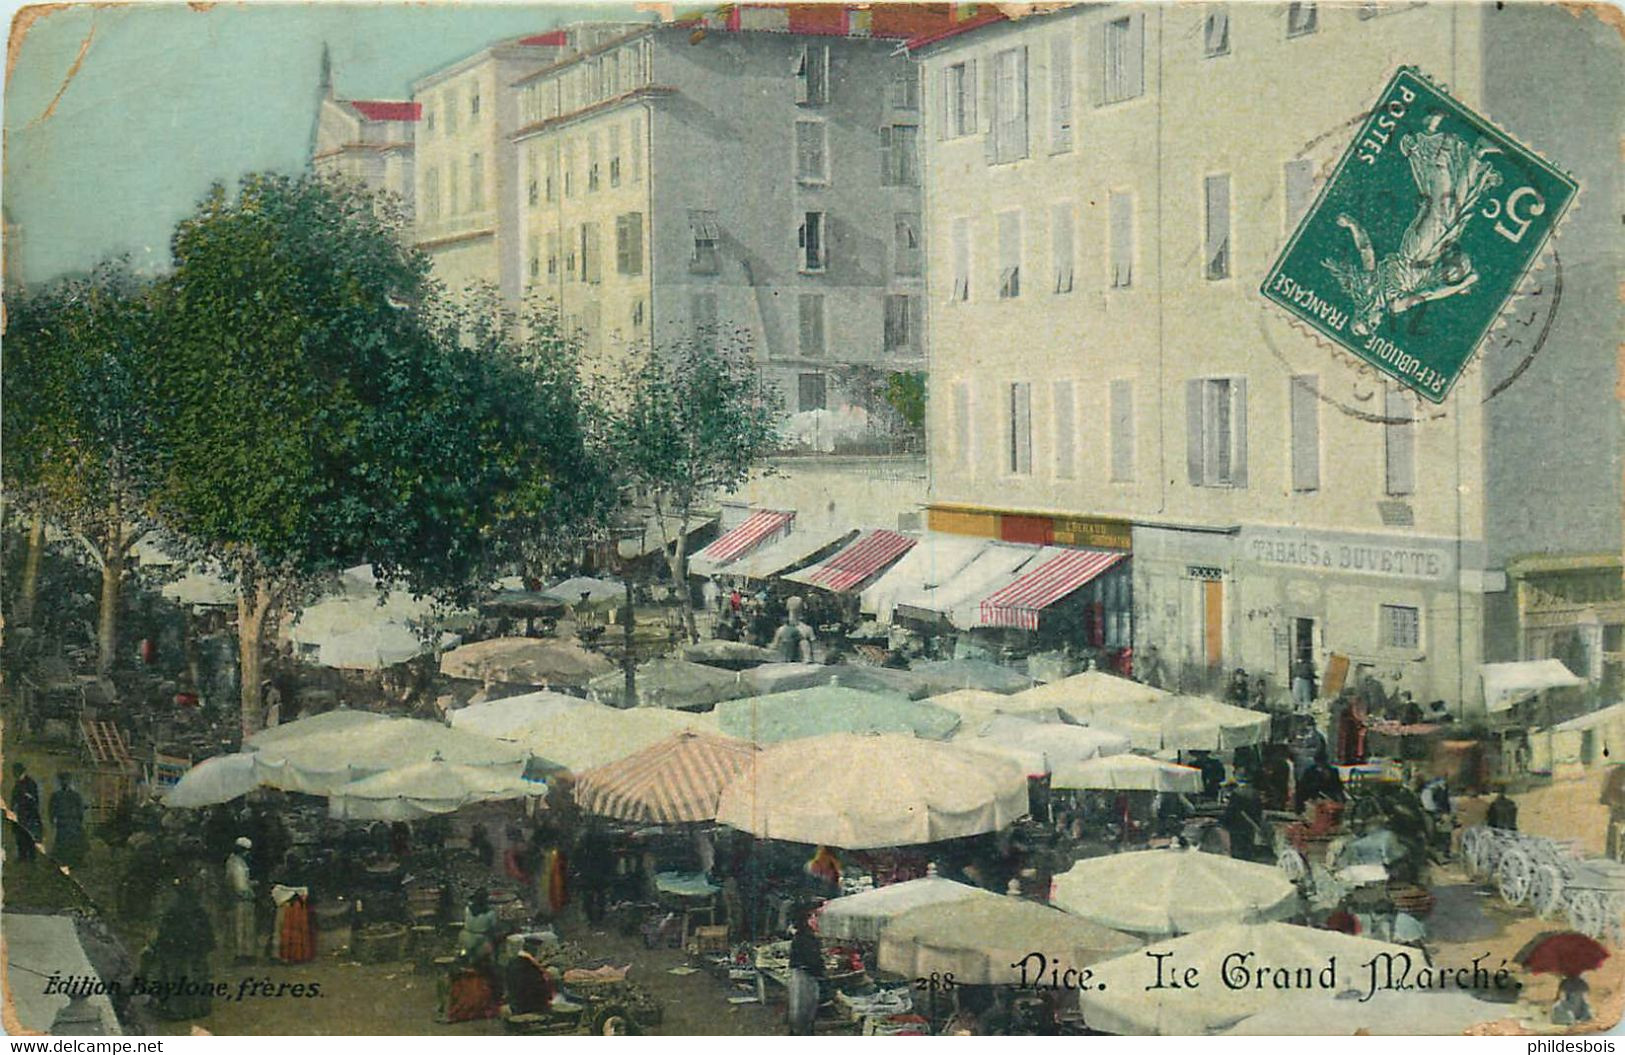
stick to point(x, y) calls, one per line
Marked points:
point(368, 140)
point(1105, 188)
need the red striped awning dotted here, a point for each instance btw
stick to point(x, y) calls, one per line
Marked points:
point(675, 781)
point(867, 555)
point(757, 528)
point(1019, 603)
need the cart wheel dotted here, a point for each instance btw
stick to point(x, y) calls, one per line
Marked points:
point(613, 1020)
point(1472, 844)
point(1587, 914)
point(1546, 890)
point(1514, 875)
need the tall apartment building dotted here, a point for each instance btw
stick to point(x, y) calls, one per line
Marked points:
point(1105, 187)
point(369, 140)
point(754, 171)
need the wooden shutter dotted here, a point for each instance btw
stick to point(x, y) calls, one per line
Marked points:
point(961, 277)
point(1217, 262)
point(1135, 64)
point(1063, 251)
point(1060, 93)
point(1193, 432)
point(1305, 432)
point(1238, 423)
point(1094, 61)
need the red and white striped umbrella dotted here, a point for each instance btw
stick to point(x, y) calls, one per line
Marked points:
point(675, 780)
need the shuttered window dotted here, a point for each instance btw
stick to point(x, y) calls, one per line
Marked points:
point(961, 239)
point(811, 152)
point(1122, 233)
point(1298, 178)
point(1010, 105)
point(1060, 94)
point(906, 256)
point(1009, 255)
point(629, 243)
point(1062, 251)
point(1305, 403)
point(1216, 431)
point(1124, 54)
point(1216, 32)
point(958, 100)
point(1020, 419)
point(1216, 195)
point(812, 325)
point(1399, 434)
point(591, 253)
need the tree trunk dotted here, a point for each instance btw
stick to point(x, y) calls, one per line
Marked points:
point(628, 661)
point(24, 614)
point(107, 622)
point(678, 560)
point(253, 602)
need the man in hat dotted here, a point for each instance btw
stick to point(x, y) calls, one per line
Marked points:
point(29, 826)
point(68, 822)
point(240, 901)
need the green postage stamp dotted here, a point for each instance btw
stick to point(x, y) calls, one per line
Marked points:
point(1421, 237)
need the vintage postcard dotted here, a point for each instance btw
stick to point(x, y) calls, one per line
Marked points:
point(836, 519)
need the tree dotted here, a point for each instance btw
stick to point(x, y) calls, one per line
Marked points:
point(323, 407)
point(693, 421)
point(78, 446)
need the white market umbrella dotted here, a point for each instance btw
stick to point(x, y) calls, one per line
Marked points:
point(1179, 723)
point(1386, 1014)
point(328, 723)
point(1166, 892)
point(213, 781)
point(582, 738)
point(598, 591)
point(317, 765)
point(861, 791)
point(976, 707)
point(506, 717)
point(862, 917)
point(986, 939)
point(1313, 959)
point(1127, 773)
point(1040, 747)
point(424, 789)
point(1089, 689)
point(525, 661)
point(667, 682)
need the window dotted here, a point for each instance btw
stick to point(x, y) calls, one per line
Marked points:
point(1298, 176)
point(899, 157)
point(1301, 19)
point(906, 255)
point(1122, 423)
point(474, 106)
point(812, 75)
point(569, 165)
point(1009, 255)
point(533, 178)
point(550, 178)
point(476, 183)
point(533, 254)
point(961, 237)
point(1401, 626)
point(1060, 95)
point(812, 391)
point(902, 331)
point(629, 243)
point(1124, 68)
point(811, 309)
point(1216, 33)
point(431, 194)
point(812, 152)
point(702, 315)
point(1060, 226)
point(1216, 195)
point(454, 199)
point(1216, 437)
point(615, 155)
point(591, 269)
point(706, 259)
point(962, 424)
point(634, 136)
point(959, 100)
point(1066, 435)
point(1009, 105)
point(812, 238)
point(905, 89)
point(552, 255)
point(592, 162)
point(637, 314)
point(1122, 247)
point(1020, 421)
point(448, 103)
point(1399, 435)
point(570, 271)
point(1305, 432)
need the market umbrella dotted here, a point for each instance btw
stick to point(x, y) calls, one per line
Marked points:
point(1388, 1013)
point(1127, 773)
point(503, 718)
point(1165, 892)
point(1182, 723)
point(328, 723)
point(673, 781)
point(1297, 957)
point(1568, 953)
point(730, 655)
point(318, 764)
point(831, 709)
point(947, 675)
point(377, 647)
point(213, 781)
point(1042, 746)
point(784, 677)
point(862, 917)
point(584, 737)
point(600, 592)
point(424, 789)
point(674, 683)
point(1090, 688)
point(977, 706)
point(525, 661)
point(988, 939)
point(788, 677)
point(858, 792)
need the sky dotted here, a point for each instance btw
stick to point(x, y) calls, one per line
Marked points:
point(168, 99)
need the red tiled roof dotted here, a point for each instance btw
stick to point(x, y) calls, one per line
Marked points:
point(982, 17)
point(892, 21)
point(558, 38)
point(378, 110)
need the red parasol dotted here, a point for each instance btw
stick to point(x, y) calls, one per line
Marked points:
point(1567, 953)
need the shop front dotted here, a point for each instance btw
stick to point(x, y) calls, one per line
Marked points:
point(1572, 608)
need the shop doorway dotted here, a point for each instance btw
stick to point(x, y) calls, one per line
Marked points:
point(1213, 623)
point(1303, 645)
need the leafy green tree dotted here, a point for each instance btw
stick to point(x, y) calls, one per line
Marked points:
point(323, 406)
point(906, 392)
point(78, 446)
point(692, 421)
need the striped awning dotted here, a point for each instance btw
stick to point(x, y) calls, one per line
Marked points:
point(867, 555)
point(674, 781)
point(757, 528)
point(1019, 603)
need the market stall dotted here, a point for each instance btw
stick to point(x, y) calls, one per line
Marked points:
point(1089, 689)
point(425, 789)
point(1127, 773)
point(1178, 723)
point(673, 781)
point(504, 717)
point(864, 916)
point(831, 709)
point(1041, 747)
point(525, 661)
point(582, 738)
point(318, 764)
point(1159, 893)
